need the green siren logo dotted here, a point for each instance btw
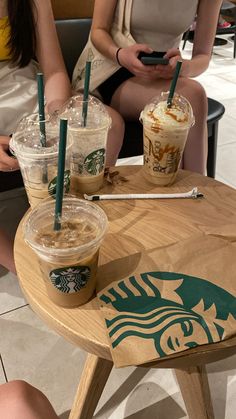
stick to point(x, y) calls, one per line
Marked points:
point(94, 162)
point(175, 311)
point(53, 184)
point(70, 279)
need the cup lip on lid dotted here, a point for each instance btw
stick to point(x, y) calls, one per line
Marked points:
point(69, 112)
point(39, 153)
point(47, 206)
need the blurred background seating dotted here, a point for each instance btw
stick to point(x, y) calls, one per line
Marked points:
point(71, 9)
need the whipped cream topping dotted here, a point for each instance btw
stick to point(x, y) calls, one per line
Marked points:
point(178, 115)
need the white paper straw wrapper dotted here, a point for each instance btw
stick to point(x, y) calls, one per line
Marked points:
point(191, 194)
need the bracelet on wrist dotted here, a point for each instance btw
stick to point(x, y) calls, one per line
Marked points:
point(117, 56)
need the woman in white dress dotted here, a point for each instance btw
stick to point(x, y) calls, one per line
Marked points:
point(121, 29)
point(27, 32)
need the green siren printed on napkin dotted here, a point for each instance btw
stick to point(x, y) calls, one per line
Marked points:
point(174, 312)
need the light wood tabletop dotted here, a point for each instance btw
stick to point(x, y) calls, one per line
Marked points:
point(135, 227)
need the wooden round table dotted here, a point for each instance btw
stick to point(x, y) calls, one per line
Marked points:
point(126, 241)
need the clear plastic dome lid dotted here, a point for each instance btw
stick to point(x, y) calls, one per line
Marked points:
point(27, 138)
point(96, 113)
point(158, 112)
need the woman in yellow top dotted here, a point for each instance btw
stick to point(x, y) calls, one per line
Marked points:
point(4, 37)
point(27, 32)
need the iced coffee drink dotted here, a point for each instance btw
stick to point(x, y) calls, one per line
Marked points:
point(38, 164)
point(37, 189)
point(89, 143)
point(68, 258)
point(165, 131)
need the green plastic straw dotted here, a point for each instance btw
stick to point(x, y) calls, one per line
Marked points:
point(86, 91)
point(42, 130)
point(60, 174)
point(173, 84)
point(41, 109)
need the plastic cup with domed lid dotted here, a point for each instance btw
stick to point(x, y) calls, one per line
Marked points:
point(89, 142)
point(38, 162)
point(165, 132)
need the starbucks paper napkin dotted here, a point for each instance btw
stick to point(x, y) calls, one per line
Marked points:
point(180, 298)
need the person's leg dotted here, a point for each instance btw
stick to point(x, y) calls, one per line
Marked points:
point(6, 252)
point(195, 153)
point(19, 400)
point(131, 97)
point(115, 137)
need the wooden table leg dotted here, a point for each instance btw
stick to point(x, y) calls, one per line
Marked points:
point(94, 377)
point(193, 383)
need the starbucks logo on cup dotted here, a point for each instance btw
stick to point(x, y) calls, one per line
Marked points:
point(94, 162)
point(70, 279)
point(53, 184)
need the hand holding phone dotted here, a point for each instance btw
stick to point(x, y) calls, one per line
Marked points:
point(153, 58)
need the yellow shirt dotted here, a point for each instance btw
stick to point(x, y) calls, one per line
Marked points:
point(4, 37)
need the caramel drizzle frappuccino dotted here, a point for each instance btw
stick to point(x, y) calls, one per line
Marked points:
point(165, 134)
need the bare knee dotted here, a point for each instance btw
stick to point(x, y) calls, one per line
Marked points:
point(197, 92)
point(118, 123)
point(115, 137)
point(20, 399)
point(19, 391)
point(16, 388)
point(196, 95)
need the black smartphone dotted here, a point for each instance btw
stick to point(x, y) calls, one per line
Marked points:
point(156, 57)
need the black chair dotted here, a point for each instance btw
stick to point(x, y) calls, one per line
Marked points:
point(73, 34)
point(215, 112)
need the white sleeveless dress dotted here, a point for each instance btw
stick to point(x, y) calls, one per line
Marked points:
point(18, 94)
point(159, 23)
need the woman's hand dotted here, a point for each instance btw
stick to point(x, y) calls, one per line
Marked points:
point(167, 71)
point(7, 164)
point(128, 58)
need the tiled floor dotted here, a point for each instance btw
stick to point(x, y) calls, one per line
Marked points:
point(31, 351)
